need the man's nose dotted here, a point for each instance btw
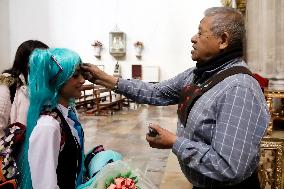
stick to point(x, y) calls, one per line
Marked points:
point(193, 39)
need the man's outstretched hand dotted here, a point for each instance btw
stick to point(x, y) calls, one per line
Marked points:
point(93, 74)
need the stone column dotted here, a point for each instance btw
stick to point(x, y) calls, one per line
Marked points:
point(265, 38)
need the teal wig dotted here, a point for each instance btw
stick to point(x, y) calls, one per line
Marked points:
point(48, 71)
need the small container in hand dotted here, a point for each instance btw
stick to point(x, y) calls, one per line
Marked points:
point(152, 132)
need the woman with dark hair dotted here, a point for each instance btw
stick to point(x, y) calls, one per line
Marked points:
point(13, 97)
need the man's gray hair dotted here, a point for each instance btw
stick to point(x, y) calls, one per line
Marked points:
point(228, 20)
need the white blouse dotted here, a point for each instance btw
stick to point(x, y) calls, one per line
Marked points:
point(20, 106)
point(44, 148)
point(16, 112)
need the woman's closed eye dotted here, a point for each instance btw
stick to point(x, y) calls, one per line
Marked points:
point(76, 74)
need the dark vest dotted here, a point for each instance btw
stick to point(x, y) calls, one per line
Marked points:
point(69, 159)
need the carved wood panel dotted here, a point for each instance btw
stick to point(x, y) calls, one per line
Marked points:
point(271, 163)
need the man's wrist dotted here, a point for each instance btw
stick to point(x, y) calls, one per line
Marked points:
point(115, 87)
point(173, 140)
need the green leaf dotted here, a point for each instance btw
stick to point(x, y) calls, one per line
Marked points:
point(109, 181)
point(128, 174)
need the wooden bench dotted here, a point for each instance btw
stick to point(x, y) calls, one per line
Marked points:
point(106, 101)
point(88, 98)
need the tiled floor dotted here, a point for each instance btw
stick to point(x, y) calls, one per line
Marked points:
point(125, 132)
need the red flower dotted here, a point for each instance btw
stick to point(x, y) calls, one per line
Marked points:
point(122, 183)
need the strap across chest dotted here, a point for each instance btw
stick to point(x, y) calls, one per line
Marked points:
point(192, 92)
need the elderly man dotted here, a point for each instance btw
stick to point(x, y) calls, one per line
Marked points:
point(222, 111)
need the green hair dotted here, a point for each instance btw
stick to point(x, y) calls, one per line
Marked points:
point(44, 91)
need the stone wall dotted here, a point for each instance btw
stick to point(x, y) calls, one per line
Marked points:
point(265, 38)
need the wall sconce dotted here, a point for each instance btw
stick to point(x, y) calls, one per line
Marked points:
point(117, 43)
point(138, 49)
point(98, 48)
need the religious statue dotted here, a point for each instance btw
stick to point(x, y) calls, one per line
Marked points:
point(117, 71)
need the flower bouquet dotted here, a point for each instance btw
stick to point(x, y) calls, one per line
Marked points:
point(97, 44)
point(97, 47)
point(119, 175)
point(120, 181)
point(138, 44)
point(138, 48)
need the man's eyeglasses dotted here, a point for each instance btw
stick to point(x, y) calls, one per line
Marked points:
point(53, 79)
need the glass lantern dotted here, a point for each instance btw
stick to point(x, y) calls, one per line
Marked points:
point(117, 44)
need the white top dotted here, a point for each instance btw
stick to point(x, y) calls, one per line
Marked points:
point(20, 106)
point(44, 148)
point(16, 112)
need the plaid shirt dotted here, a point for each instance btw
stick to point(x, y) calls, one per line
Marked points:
point(219, 145)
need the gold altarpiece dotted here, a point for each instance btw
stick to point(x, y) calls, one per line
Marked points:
point(271, 166)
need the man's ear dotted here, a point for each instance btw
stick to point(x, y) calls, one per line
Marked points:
point(224, 41)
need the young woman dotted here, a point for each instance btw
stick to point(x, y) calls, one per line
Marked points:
point(52, 153)
point(13, 86)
